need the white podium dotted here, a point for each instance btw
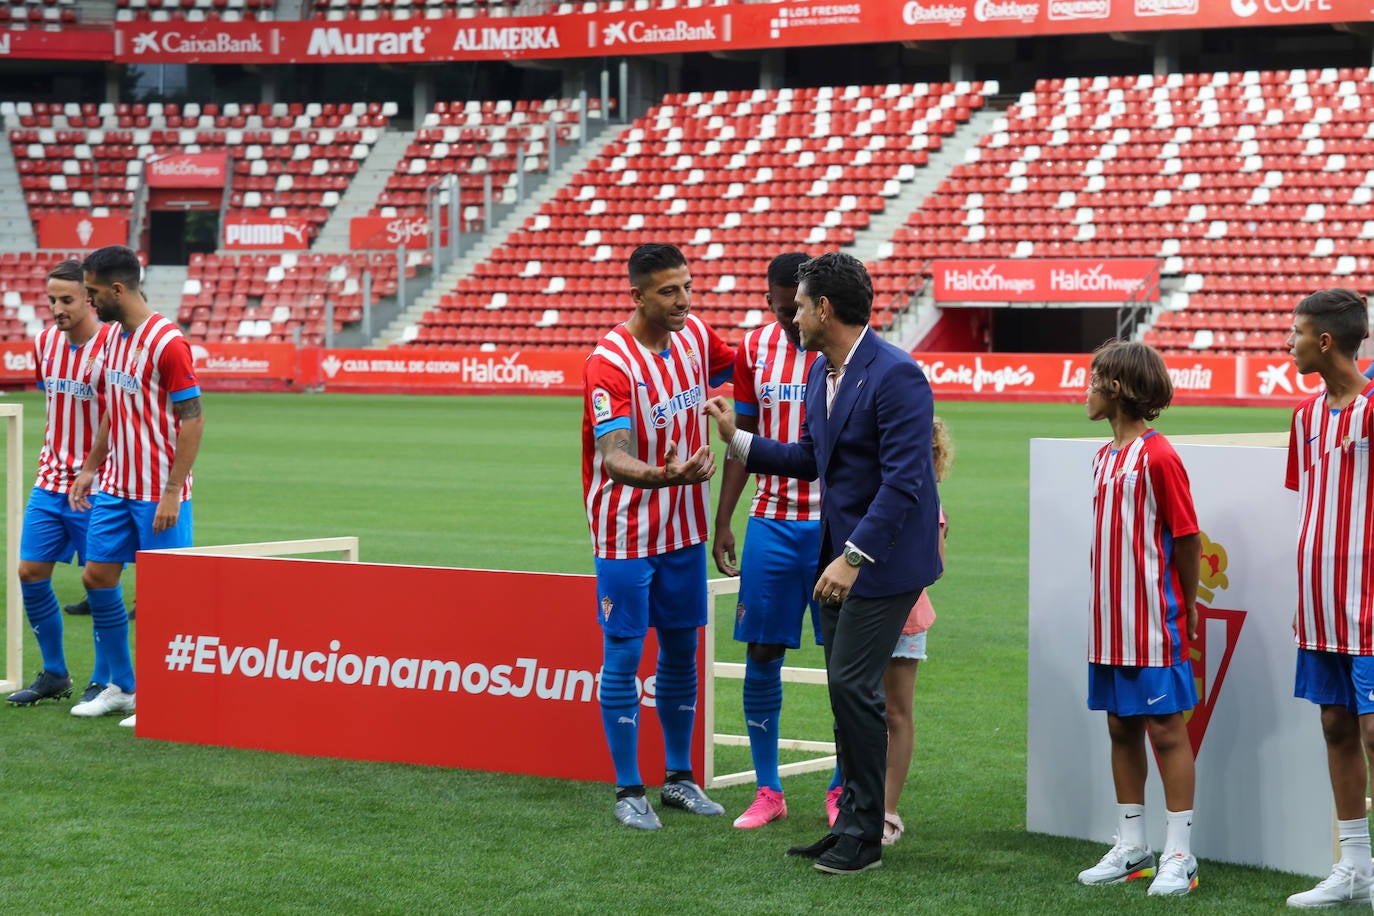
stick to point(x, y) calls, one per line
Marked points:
point(1263, 796)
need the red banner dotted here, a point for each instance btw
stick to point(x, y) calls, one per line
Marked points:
point(1047, 376)
point(1197, 379)
point(76, 232)
point(68, 43)
point(737, 26)
point(372, 232)
point(245, 667)
point(244, 361)
point(18, 365)
point(418, 369)
point(189, 170)
point(1078, 280)
point(250, 234)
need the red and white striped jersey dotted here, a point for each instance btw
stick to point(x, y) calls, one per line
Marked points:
point(658, 397)
point(770, 383)
point(1328, 464)
point(69, 376)
point(1141, 504)
point(145, 373)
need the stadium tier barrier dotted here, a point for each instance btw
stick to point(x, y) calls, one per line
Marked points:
point(1261, 770)
point(351, 685)
point(1201, 379)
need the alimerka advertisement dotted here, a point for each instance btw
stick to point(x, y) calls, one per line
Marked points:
point(736, 26)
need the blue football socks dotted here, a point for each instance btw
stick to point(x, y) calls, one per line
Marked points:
point(620, 705)
point(675, 694)
point(112, 635)
point(45, 619)
point(762, 709)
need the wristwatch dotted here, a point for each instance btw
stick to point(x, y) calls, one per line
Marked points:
point(853, 557)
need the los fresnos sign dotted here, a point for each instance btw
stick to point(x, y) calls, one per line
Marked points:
point(737, 26)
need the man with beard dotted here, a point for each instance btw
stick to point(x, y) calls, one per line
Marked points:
point(151, 431)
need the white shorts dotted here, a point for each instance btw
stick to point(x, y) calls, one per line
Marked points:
point(911, 646)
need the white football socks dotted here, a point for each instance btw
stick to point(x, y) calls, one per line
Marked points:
point(1130, 826)
point(1354, 839)
point(1178, 831)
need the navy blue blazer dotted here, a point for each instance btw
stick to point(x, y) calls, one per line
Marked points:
point(873, 457)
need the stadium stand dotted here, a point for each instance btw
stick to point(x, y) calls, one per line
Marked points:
point(1253, 187)
point(194, 10)
point(24, 291)
point(51, 14)
point(739, 176)
point(289, 160)
point(336, 10)
point(475, 139)
point(279, 297)
point(467, 9)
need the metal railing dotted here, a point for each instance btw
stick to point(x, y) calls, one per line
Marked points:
point(1137, 303)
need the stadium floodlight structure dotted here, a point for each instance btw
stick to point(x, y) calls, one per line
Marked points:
point(13, 415)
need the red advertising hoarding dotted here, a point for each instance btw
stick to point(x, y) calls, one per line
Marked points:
point(71, 42)
point(373, 232)
point(455, 371)
point(1076, 280)
point(245, 366)
point(245, 665)
point(244, 234)
point(78, 232)
point(1200, 379)
point(1052, 376)
point(18, 364)
point(188, 170)
point(737, 26)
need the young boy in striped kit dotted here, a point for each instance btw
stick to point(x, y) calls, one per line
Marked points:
point(1328, 464)
point(1145, 557)
point(70, 355)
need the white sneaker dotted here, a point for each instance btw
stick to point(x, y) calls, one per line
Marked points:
point(129, 722)
point(109, 700)
point(1176, 876)
point(1343, 885)
point(1121, 863)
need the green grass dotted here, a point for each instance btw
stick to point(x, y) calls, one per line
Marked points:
point(97, 821)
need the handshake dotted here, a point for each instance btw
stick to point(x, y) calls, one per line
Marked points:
point(701, 465)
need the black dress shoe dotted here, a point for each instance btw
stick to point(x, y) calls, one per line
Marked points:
point(849, 856)
point(815, 850)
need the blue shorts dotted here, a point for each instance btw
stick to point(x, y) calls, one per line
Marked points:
point(666, 592)
point(777, 579)
point(121, 527)
point(1335, 679)
point(911, 645)
point(53, 530)
point(1131, 690)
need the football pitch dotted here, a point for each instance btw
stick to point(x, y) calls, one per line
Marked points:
point(99, 821)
